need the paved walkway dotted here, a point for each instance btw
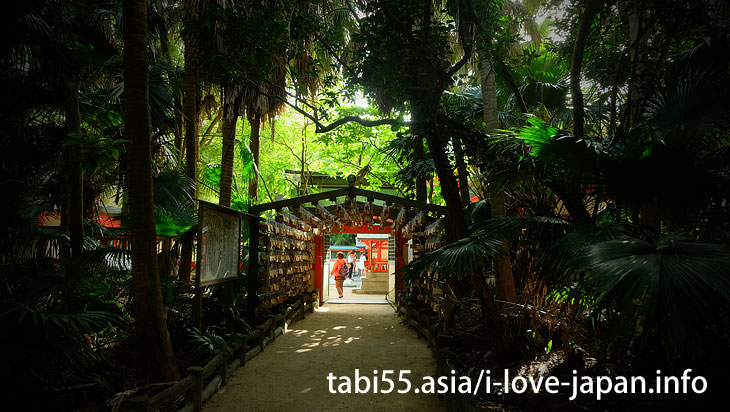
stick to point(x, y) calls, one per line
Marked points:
point(291, 373)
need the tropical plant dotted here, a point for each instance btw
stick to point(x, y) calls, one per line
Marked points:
point(658, 295)
point(206, 344)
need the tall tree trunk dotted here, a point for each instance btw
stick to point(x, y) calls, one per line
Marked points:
point(190, 113)
point(575, 67)
point(254, 120)
point(179, 141)
point(155, 359)
point(163, 259)
point(463, 172)
point(420, 181)
point(641, 74)
point(489, 93)
point(164, 39)
point(190, 110)
point(230, 118)
point(502, 264)
point(186, 260)
point(449, 187)
point(75, 173)
point(458, 228)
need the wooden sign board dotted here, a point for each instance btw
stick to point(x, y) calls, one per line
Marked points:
point(219, 241)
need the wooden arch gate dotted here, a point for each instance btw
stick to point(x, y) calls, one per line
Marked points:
point(286, 254)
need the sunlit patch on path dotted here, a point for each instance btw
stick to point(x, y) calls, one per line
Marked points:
point(291, 374)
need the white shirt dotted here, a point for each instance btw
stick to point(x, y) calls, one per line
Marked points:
point(350, 259)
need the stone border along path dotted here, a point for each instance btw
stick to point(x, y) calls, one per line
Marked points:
point(291, 373)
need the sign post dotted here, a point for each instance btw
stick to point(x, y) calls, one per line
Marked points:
point(219, 255)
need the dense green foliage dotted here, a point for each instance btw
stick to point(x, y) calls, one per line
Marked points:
point(618, 229)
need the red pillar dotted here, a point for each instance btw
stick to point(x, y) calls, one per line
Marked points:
point(318, 263)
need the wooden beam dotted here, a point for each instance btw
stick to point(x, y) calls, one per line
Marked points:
point(257, 209)
point(399, 200)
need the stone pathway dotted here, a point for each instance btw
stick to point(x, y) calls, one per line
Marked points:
point(291, 373)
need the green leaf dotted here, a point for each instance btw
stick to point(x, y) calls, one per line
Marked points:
point(664, 288)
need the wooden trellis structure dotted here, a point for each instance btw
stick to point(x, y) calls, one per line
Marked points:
point(286, 254)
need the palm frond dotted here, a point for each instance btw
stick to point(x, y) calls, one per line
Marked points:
point(694, 108)
point(664, 288)
point(549, 95)
point(477, 211)
point(174, 219)
point(53, 325)
point(44, 346)
point(205, 343)
point(556, 261)
point(209, 178)
point(537, 230)
point(171, 186)
point(107, 258)
point(472, 254)
point(467, 104)
point(562, 153)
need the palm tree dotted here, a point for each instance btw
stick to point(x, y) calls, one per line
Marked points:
point(191, 122)
point(487, 61)
point(247, 51)
point(155, 359)
point(231, 107)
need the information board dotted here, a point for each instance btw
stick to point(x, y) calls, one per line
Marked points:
point(219, 241)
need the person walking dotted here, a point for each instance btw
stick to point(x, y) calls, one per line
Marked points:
point(339, 271)
point(350, 264)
